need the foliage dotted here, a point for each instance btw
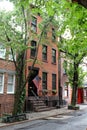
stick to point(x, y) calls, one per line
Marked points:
point(74, 47)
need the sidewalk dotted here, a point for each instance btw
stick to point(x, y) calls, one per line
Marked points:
point(41, 115)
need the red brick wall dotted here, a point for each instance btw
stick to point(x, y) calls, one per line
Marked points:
point(6, 100)
point(45, 66)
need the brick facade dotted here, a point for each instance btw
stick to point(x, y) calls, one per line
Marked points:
point(45, 66)
point(6, 99)
point(6, 68)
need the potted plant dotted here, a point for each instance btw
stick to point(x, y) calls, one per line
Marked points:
point(54, 91)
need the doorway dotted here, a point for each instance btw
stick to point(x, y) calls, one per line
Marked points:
point(32, 89)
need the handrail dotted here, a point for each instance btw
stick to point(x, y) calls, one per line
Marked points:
point(35, 95)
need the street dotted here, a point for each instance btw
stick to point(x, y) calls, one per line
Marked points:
point(76, 120)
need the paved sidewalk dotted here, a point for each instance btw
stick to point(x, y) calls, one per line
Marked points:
point(41, 115)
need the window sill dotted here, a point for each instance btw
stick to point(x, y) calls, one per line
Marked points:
point(10, 93)
point(45, 61)
point(53, 63)
point(54, 92)
point(32, 57)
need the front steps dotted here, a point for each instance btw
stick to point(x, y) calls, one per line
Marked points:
point(38, 105)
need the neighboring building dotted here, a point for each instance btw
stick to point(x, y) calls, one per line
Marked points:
point(7, 81)
point(66, 88)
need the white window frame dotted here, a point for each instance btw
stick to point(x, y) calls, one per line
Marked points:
point(1, 92)
point(13, 84)
point(2, 51)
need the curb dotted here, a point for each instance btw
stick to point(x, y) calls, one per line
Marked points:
point(33, 119)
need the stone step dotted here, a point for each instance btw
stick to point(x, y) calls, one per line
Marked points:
point(44, 109)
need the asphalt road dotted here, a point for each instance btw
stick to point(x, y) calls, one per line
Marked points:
point(72, 121)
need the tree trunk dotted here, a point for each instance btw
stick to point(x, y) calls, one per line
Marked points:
point(75, 85)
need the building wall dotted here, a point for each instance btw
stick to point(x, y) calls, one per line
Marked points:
point(6, 99)
point(45, 66)
point(66, 88)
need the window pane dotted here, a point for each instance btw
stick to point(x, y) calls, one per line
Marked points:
point(10, 79)
point(44, 52)
point(53, 56)
point(33, 50)
point(2, 51)
point(44, 80)
point(1, 83)
point(34, 24)
point(53, 34)
point(10, 87)
point(34, 20)
point(0, 88)
point(53, 81)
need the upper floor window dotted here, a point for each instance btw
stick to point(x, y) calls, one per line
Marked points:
point(10, 56)
point(34, 24)
point(44, 80)
point(2, 51)
point(1, 82)
point(65, 67)
point(33, 49)
point(44, 53)
point(53, 56)
point(45, 33)
point(11, 83)
point(66, 89)
point(53, 81)
point(53, 34)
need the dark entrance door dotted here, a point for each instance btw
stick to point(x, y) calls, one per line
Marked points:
point(32, 89)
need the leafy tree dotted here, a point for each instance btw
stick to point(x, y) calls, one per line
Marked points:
point(15, 35)
point(75, 48)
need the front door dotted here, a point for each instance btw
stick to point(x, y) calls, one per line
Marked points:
point(32, 89)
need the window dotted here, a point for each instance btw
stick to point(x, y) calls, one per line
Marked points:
point(2, 52)
point(53, 56)
point(34, 24)
point(53, 81)
point(44, 80)
point(53, 34)
point(44, 53)
point(33, 50)
point(65, 67)
point(1, 82)
point(10, 57)
point(11, 84)
point(45, 33)
point(66, 90)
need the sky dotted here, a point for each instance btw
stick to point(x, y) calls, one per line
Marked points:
point(6, 5)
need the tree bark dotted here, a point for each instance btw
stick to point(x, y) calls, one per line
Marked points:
point(75, 84)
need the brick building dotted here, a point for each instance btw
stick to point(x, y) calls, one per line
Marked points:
point(47, 68)
point(7, 81)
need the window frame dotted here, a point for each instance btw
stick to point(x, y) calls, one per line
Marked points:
point(13, 84)
point(2, 83)
point(44, 80)
point(53, 56)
